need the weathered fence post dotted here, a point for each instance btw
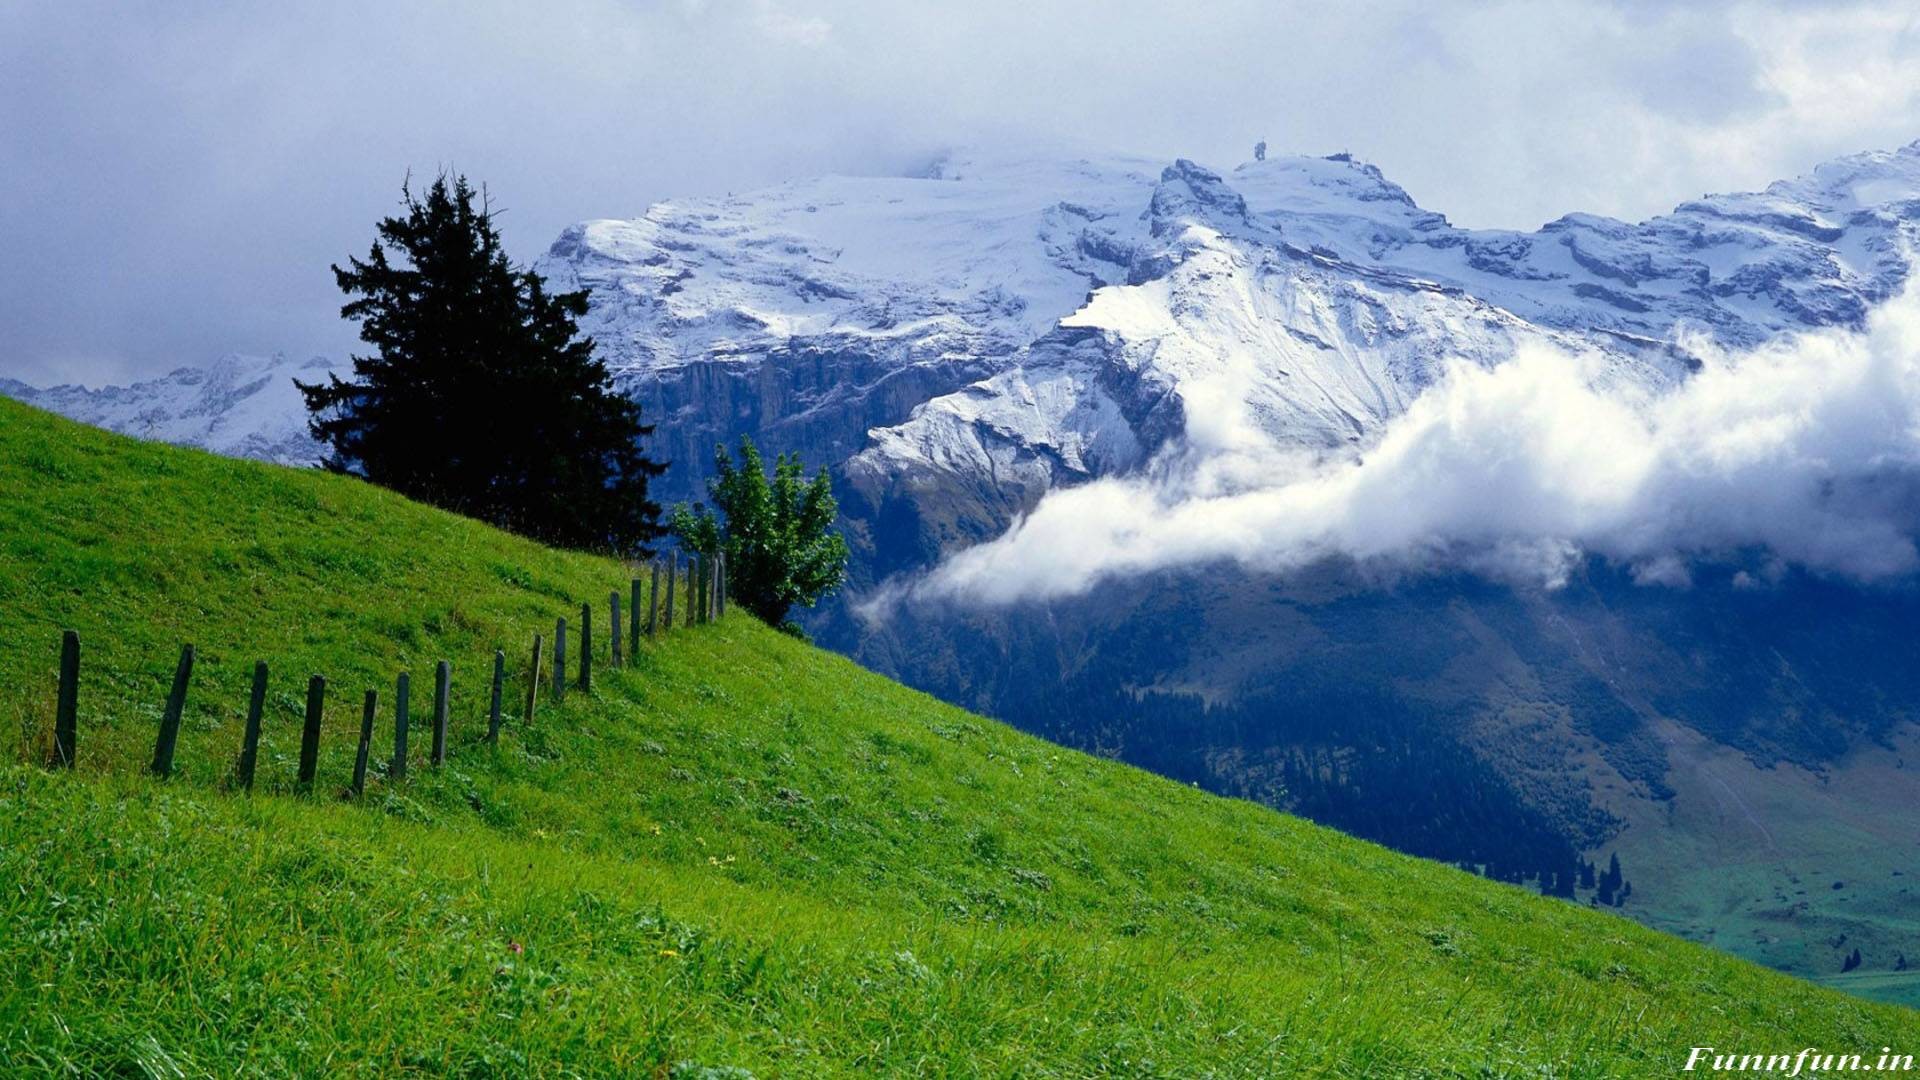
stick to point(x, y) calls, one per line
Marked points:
point(619, 640)
point(250, 735)
point(673, 572)
point(170, 720)
point(691, 605)
point(705, 571)
point(397, 771)
point(442, 687)
point(653, 601)
point(493, 704)
point(693, 588)
point(66, 710)
point(310, 735)
point(366, 743)
point(560, 660)
point(533, 681)
point(720, 585)
point(586, 647)
point(713, 588)
point(633, 621)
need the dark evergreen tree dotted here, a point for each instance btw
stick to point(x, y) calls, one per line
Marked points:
point(778, 536)
point(480, 396)
point(1610, 882)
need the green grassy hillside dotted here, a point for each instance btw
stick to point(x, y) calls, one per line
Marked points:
point(739, 853)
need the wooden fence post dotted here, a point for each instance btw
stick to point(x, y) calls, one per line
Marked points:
point(720, 585)
point(310, 735)
point(170, 720)
point(250, 735)
point(366, 743)
point(397, 771)
point(673, 572)
point(690, 576)
point(442, 687)
point(653, 601)
point(533, 682)
point(705, 571)
point(66, 710)
point(586, 648)
point(560, 660)
point(633, 621)
point(619, 644)
point(493, 704)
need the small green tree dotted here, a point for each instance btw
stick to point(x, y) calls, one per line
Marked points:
point(778, 537)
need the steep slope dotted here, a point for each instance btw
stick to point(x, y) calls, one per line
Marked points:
point(737, 853)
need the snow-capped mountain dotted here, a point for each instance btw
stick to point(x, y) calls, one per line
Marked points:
point(245, 406)
point(992, 328)
point(1001, 325)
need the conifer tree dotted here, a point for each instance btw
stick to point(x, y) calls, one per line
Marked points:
point(479, 395)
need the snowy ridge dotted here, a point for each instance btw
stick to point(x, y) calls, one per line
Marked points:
point(950, 262)
point(1067, 319)
point(243, 406)
point(1813, 251)
point(989, 327)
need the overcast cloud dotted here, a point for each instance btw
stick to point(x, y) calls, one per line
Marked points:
point(175, 179)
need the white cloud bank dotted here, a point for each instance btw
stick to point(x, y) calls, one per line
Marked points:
point(1805, 452)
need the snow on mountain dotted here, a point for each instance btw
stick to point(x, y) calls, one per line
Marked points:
point(992, 326)
point(1814, 251)
point(962, 260)
point(244, 406)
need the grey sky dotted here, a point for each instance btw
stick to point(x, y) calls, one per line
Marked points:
point(175, 178)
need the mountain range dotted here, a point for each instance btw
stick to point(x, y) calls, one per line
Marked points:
point(959, 344)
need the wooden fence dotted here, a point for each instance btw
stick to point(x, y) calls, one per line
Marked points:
point(704, 588)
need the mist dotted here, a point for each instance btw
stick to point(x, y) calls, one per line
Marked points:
point(1804, 453)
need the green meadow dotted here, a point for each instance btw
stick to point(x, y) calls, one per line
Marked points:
point(737, 856)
